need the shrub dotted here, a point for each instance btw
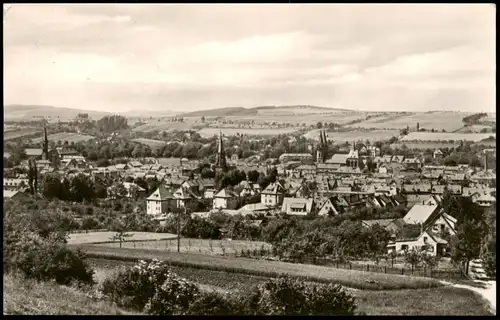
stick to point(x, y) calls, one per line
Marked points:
point(287, 296)
point(133, 287)
point(214, 304)
point(173, 297)
point(47, 259)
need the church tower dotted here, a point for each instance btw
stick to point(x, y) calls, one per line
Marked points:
point(321, 151)
point(45, 155)
point(220, 161)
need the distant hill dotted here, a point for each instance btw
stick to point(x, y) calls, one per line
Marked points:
point(263, 110)
point(19, 112)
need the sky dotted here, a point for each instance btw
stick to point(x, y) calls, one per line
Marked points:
point(119, 58)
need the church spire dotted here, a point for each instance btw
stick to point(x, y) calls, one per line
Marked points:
point(45, 144)
point(221, 155)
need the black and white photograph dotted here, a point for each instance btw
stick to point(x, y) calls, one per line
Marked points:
point(249, 159)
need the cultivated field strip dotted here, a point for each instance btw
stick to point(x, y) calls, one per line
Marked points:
point(349, 278)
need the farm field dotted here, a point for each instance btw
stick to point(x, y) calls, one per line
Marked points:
point(203, 246)
point(349, 278)
point(433, 301)
point(65, 136)
point(425, 145)
point(309, 119)
point(449, 121)
point(150, 142)
point(446, 136)
point(163, 125)
point(100, 237)
point(476, 128)
point(349, 136)
point(19, 133)
point(210, 132)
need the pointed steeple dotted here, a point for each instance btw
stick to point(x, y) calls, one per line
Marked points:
point(45, 144)
point(221, 155)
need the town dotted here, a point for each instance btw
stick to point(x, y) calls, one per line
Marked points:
point(286, 209)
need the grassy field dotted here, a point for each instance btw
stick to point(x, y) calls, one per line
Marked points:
point(164, 125)
point(65, 136)
point(218, 247)
point(150, 142)
point(210, 132)
point(425, 145)
point(475, 128)
point(100, 237)
point(433, 301)
point(19, 133)
point(446, 136)
point(350, 136)
point(448, 121)
point(29, 297)
point(348, 278)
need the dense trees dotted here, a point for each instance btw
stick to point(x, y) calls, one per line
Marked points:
point(112, 123)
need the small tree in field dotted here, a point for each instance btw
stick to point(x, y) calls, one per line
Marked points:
point(121, 236)
point(430, 261)
point(413, 258)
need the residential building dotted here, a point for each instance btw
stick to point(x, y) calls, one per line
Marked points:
point(161, 201)
point(286, 157)
point(273, 194)
point(297, 206)
point(226, 199)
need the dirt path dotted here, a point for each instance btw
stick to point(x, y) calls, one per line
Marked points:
point(488, 292)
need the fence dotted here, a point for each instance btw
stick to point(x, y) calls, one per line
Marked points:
point(446, 274)
point(88, 231)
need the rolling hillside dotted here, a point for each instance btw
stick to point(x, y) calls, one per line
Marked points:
point(263, 110)
point(18, 112)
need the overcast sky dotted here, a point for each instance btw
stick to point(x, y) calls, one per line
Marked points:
point(191, 57)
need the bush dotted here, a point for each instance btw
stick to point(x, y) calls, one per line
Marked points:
point(47, 259)
point(173, 297)
point(133, 287)
point(287, 296)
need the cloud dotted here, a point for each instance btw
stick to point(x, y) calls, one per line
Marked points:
point(198, 56)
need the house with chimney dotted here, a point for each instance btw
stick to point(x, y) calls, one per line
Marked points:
point(273, 194)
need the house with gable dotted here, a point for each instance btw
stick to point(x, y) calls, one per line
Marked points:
point(161, 201)
point(226, 199)
point(297, 206)
point(273, 194)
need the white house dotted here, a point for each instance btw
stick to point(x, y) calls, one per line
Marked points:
point(427, 241)
point(297, 206)
point(327, 207)
point(225, 199)
point(273, 194)
point(161, 201)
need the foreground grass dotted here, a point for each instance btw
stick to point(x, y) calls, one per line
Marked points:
point(445, 301)
point(29, 297)
point(432, 301)
point(349, 278)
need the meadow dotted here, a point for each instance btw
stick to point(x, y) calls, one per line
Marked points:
point(150, 142)
point(103, 237)
point(29, 297)
point(446, 136)
point(421, 145)
point(17, 133)
point(65, 136)
point(431, 301)
point(449, 121)
point(350, 136)
point(166, 125)
point(210, 132)
point(202, 246)
point(349, 278)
